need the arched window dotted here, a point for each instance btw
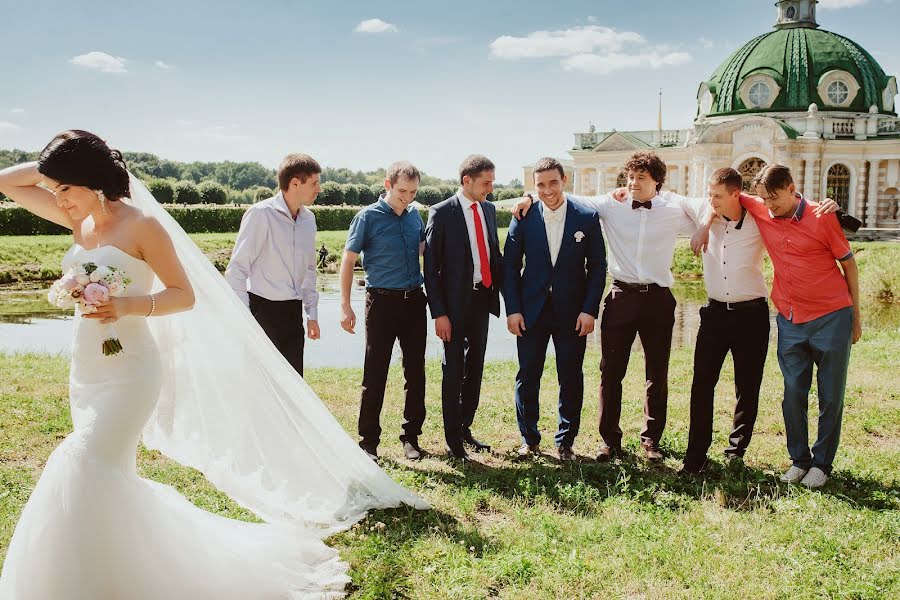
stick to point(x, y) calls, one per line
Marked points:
point(749, 169)
point(622, 180)
point(838, 185)
point(759, 94)
point(837, 93)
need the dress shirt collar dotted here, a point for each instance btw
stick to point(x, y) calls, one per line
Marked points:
point(463, 198)
point(280, 205)
point(656, 200)
point(740, 222)
point(555, 215)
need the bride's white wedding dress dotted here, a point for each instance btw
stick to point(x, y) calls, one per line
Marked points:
point(208, 389)
point(94, 530)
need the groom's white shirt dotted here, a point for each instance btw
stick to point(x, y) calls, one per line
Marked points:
point(274, 255)
point(554, 223)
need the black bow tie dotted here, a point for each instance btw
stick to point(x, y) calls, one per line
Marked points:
point(648, 204)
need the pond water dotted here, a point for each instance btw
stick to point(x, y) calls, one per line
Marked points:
point(29, 324)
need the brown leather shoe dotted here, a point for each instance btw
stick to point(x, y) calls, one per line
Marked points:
point(528, 450)
point(608, 453)
point(652, 452)
point(565, 453)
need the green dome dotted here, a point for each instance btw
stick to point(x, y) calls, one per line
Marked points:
point(797, 58)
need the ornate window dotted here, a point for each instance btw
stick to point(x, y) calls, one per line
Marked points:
point(759, 91)
point(837, 88)
point(759, 94)
point(748, 170)
point(837, 92)
point(838, 185)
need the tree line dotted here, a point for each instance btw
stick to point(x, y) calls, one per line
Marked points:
point(228, 182)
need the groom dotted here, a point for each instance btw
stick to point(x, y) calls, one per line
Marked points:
point(556, 296)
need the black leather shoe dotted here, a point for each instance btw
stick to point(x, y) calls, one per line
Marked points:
point(689, 469)
point(458, 453)
point(476, 445)
point(370, 451)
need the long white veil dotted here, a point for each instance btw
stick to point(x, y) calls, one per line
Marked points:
point(232, 407)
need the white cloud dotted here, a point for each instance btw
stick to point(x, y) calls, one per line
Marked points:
point(567, 42)
point(705, 42)
point(100, 61)
point(375, 26)
point(836, 4)
point(163, 65)
point(593, 49)
point(603, 64)
point(17, 111)
point(7, 127)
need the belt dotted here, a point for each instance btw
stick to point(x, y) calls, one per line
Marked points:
point(746, 304)
point(636, 287)
point(405, 294)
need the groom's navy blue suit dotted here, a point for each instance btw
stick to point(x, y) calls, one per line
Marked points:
point(550, 298)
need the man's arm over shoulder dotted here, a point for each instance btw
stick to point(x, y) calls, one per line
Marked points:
point(599, 204)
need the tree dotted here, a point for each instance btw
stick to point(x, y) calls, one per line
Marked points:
point(331, 194)
point(212, 193)
point(187, 193)
point(162, 190)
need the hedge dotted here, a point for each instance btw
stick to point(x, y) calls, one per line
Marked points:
point(197, 219)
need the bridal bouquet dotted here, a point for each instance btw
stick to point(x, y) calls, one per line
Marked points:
point(86, 286)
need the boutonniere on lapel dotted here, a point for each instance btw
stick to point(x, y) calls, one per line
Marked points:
point(579, 235)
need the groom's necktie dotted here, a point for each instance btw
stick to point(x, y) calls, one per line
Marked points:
point(482, 248)
point(635, 204)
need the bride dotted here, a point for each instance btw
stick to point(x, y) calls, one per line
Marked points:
point(199, 381)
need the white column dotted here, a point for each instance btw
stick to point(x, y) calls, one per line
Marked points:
point(683, 180)
point(809, 179)
point(872, 199)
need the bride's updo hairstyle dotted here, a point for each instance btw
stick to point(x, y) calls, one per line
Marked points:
point(78, 157)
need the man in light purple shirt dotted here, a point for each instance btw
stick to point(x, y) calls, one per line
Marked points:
point(273, 264)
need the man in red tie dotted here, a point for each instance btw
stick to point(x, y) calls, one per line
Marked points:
point(462, 278)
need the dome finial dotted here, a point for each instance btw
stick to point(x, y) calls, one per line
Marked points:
point(796, 13)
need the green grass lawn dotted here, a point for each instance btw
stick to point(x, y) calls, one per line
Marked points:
point(539, 529)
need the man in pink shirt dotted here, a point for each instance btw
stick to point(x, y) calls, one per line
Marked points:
point(818, 316)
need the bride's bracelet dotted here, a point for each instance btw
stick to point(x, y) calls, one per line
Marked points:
point(152, 305)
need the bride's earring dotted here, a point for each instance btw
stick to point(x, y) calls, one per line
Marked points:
point(102, 198)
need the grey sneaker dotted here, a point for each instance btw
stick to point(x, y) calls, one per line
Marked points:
point(793, 475)
point(815, 478)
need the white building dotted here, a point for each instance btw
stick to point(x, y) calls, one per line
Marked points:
point(800, 96)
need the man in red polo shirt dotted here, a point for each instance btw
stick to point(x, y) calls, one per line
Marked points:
point(818, 316)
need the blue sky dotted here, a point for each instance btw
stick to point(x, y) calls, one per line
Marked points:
point(362, 83)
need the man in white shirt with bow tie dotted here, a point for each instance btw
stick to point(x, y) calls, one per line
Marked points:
point(273, 264)
point(641, 235)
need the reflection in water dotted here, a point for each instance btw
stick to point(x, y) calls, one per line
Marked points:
point(29, 323)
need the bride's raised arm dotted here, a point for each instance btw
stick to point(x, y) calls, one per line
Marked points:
point(20, 183)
